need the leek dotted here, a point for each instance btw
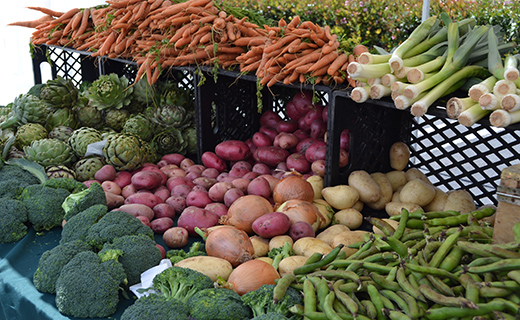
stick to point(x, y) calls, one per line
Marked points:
point(503, 87)
point(401, 102)
point(501, 118)
point(481, 88)
point(456, 105)
point(388, 79)
point(373, 81)
point(511, 72)
point(358, 70)
point(399, 86)
point(415, 74)
point(495, 64)
point(510, 102)
point(471, 115)
point(369, 58)
point(379, 91)
point(490, 101)
point(360, 94)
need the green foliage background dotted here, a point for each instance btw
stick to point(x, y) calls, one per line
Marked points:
point(385, 23)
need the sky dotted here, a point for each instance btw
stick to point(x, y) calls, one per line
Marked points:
point(15, 59)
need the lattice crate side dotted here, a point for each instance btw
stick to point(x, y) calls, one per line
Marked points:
point(457, 157)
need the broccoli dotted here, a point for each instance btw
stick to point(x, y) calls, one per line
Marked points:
point(52, 262)
point(197, 248)
point(261, 301)
point(218, 304)
point(23, 170)
point(14, 215)
point(139, 253)
point(88, 287)
point(277, 254)
point(72, 185)
point(181, 283)
point(12, 188)
point(156, 307)
point(270, 316)
point(77, 227)
point(44, 206)
point(79, 201)
point(113, 225)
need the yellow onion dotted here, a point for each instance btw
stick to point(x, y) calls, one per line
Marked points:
point(301, 210)
point(245, 210)
point(229, 243)
point(293, 187)
point(251, 275)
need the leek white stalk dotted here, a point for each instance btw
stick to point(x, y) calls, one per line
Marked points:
point(503, 87)
point(358, 70)
point(401, 102)
point(369, 58)
point(422, 76)
point(511, 72)
point(483, 87)
point(415, 74)
point(399, 86)
point(379, 91)
point(373, 81)
point(490, 101)
point(501, 118)
point(510, 102)
point(415, 38)
point(402, 73)
point(471, 115)
point(495, 64)
point(388, 79)
point(360, 94)
point(456, 105)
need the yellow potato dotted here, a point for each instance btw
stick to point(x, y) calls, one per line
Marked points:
point(316, 182)
point(261, 245)
point(394, 208)
point(279, 241)
point(340, 196)
point(414, 173)
point(399, 155)
point(460, 200)
point(327, 213)
point(349, 217)
point(329, 233)
point(266, 259)
point(395, 196)
point(438, 202)
point(213, 267)
point(287, 265)
point(358, 206)
point(363, 182)
point(417, 191)
point(393, 223)
point(348, 237)
point(397, 179)
point(386, 191)
point(306, 246)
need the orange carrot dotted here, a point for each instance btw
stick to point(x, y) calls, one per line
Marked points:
point(337, 63)
point(205, 38)
point(194, 56)
point(311, 57)
point(73, 23)
point(328, 48)
point(230, 29)
point(320, 71)
point(250, 67)
point(67, 15)
point(304, 68)
point(359, 49)
point(219, 24)
point(33, 23)
point(179, 33)
point(107, 44)
point(276, 78)
point(141, 12)
point(47, 11)
point(303, 33)
point(351, 58)
point(247, 31)
point(249, 41)
point(84, 23)
point(154, 4)
point(294, 22)
point(280, 43)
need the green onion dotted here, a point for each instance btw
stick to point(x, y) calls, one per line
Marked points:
point(501, 118)
point(483, 87)
point(510, 102)
point(471, 115)
point(455, 106)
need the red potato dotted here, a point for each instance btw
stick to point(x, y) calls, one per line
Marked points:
point(241, 183)
point(302, 135)
point(318, 167)
point(193, 175)
point(318, 129)
point(261, 168)
point(128, 190)
point(271, 224)
point(298, 162)
point(344, 140)
point(137, 209)
point(251, 145)
point(343, 158)
point(299, 105)
point(316, 151)
point(238, 172)
point(271, 155)
point(162, 210)
point(192, 217)
point(287, 126)
point(177, 173)
point(186, 163)
point(114, 200)
point(301, 229)
point(210, 173)
point(111, 186)
point(176, 237)
point(272, 180)
point(204, 182)
point(315, 113)
point(123, 178)
point(199, 188)
point(173, 158)
point(217, 191)
point(181, 190)
point(147, 179)
point(325, 114)
point(178, 203)
point(106, 173)
point(168, 169)
point(145, 198)
point(162, 250)
point(286, 140)
point(212, 160)
point(282, 166)
point(162, 163)
point(218, 208)
point(251, 175)
point(232, 150)
point(242, 164)
point(162, 192)
point(232, 195)
point(196, 168)
point(175, 181)
point(198, 198)
point(222, 176)
point(271, 132)
point(155, 168)
point(270, 118)
point(144, 220)
point(89, 182)
point(259, 186)
point(261, 139)
point(302, 146)
point(160, 225)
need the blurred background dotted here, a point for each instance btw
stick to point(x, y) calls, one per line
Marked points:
point(15, 58)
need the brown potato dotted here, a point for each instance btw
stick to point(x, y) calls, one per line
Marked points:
point(261, 245)
point(348, 237)
point(279, 241)
point(414, 173)
point(417, 191)
point(399, 155)
point(317, 185)
point(341, 196)
point(460, 200)
point(349, 217)
point(397, 179)
point(386, 191)
point(438, 202)
point(329, 233)
point(306, 246)
point(394, 208)
point(213, 267)
point(363, 182)
point(287, 265)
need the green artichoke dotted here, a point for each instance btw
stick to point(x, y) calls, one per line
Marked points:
point(28, 133)
point(5, 112)
point(7, 138)
point(125, 151)
point(116, 118)
point(170, 141)
point(60, 171)
point(144, 93)
point(190, 135)
point(81, 138)
point(86, 168)
point(169, 116)
point(139, 125)
point(61, 117)
point(107, 132)
point(49, 152)
point(62, 133)
point(152, 155)
point(110, 92)
point(87, 115)
point(59, 93)
point(36, 89)
point(26, 108)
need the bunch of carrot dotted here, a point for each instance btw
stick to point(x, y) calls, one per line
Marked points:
point(158, 34)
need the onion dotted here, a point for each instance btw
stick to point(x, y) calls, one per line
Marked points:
point(229, 243)
point(293, 187)
point(300, 210)
point(251, 275)
point(245, 210)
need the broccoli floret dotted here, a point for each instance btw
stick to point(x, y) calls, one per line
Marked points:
point(44, 206)
point(52, 262)
point(261, 301)
point(270, 316)
point(12, 188)
point(138, 254)
point(79, 201)
point(181, 283)
point(277, 254)
point(14, 215)
point(86, 287)
point(218, 304)
point(77, 227)
point(72, 185)
point(113, 225)
point(16, 172)
point(156, 307)
point(197, 248)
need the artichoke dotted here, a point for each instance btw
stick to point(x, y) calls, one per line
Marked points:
point(152, 156)
point(107, 132)
point(5, 112)
point(59, 93)
point(36, 89)
point(116, 118)
point(61, 117)
point(125, 151)
point(60, 171)
point(81, 138)
point(144, 93)
point(49, 152)
point(62, 133)
point(190, 135)
point(86, 168)
point(110, 92)
point(28, 133)
point(87, 115)
point(170, 141)
point(26, 108)
point(139, 125)
point(7, 138)
point(169, 116)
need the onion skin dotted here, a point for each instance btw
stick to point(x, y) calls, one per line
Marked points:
point(245, 210)
point(251, 275)
point(229, 243)
point(293, 187)
point(300, 210)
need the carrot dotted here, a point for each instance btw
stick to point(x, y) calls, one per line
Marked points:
point(84, 23)
point(219, 24)
point(337, 63)
point(276, 78)
point(304, 68)
point(194, 41)
point(249, 41)
point(359, 49)
point(280, 43)
point(328, 48)
point(205, 38)
point(47, 11)
point(320, 71)
point(229, 49)
point(315, 37)
point(294, 22)
point(33, 23)
point(154, 4)
point(179, 33)
point(107, 44)
point(308, 25)
point(328, 35)
point(351, 58)
point(142, 10)
point(292, 77)
point(67, 15)
point(194, 56)
point(247, 31)
point(251, 66)
point(252, 60)
point(230, 29)
point(311, 57)
point(207, 19)
point(302, 46)
point(73, 23)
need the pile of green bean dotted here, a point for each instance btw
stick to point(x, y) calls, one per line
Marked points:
point(437, 265)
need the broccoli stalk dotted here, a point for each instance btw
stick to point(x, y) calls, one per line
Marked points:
point(261, 301)
point(181, 283)
point(196, 249)
point(277, 254)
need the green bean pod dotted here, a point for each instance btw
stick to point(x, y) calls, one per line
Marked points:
point(399, 231)
point(375, 297)
point(384, 283)
point(322, 263)
point(282, 285)
point(345, 299)
point(452, 259)
point(489, 250)
point(406, 286)
point(436, 297)
point(309, 297)
point(443, 313)
point(501, 265)
point(414, 311)
point(315, 257)
point(370, 308)
point(400, 302)
point(328, 306)
point(396, 315)
point(381, 224)
point(431, 271)
point(400, 248)
point(443, 250)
